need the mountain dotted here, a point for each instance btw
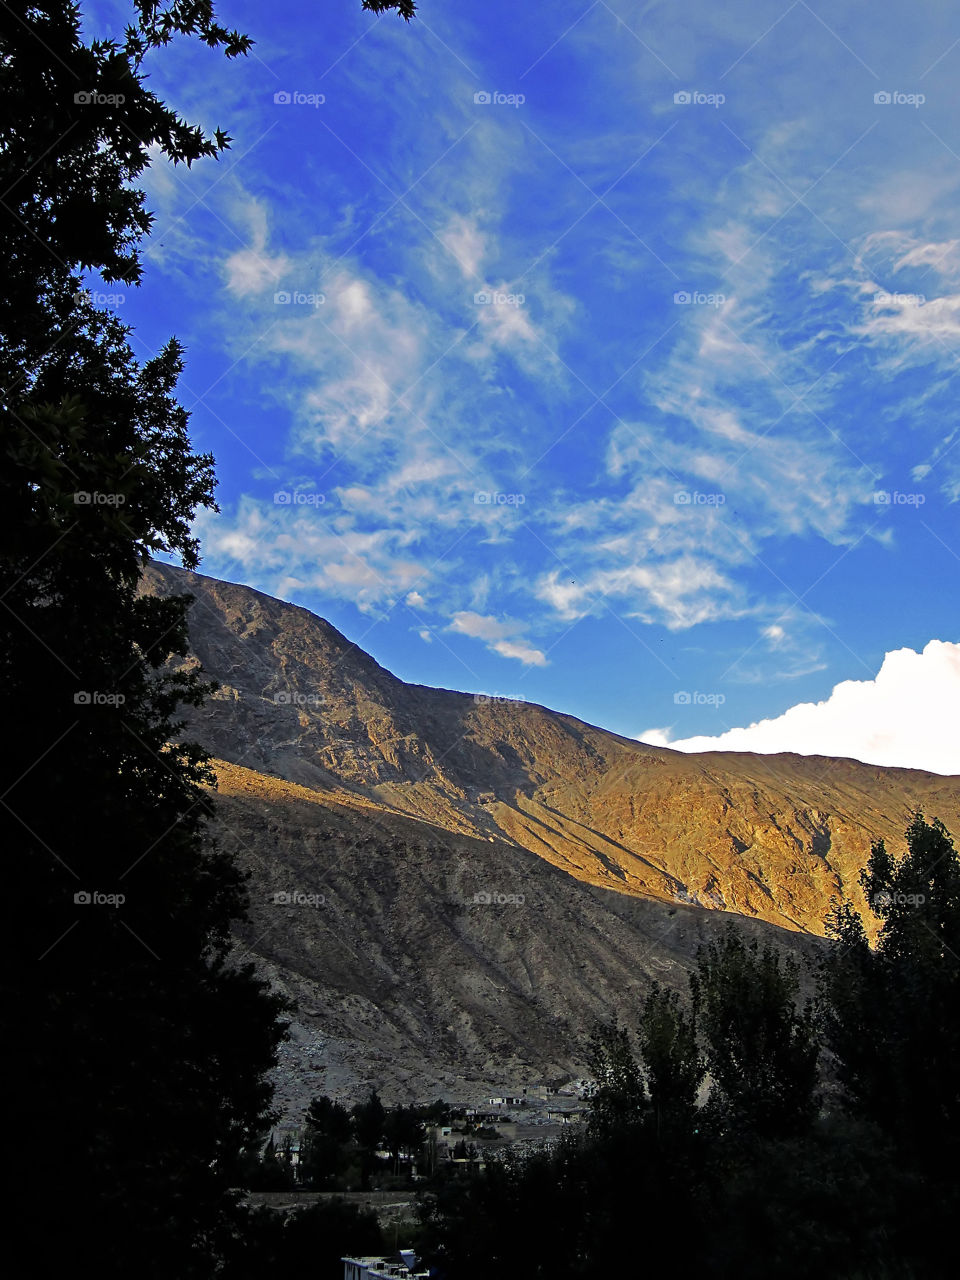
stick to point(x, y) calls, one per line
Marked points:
point(454, 887)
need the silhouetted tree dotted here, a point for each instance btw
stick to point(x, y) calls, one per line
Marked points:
point(130, 1018)
point(617, 1096)
point(403, 1132)
point(326, 1142)
point(894, 1011)
point(368, 1121)
point(263, 1171)
point(672, 1065)
point(893, 1024)
point(437, 1112)
point(761, 1043)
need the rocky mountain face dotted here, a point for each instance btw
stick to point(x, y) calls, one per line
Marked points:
point(454, 887)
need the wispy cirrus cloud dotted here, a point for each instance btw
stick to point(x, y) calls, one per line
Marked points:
point(700, 357)
point(501, 635)
point(251, 270)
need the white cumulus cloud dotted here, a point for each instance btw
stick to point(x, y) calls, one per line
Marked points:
point(906, 717)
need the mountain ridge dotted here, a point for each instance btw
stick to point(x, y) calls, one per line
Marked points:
point(399, 804)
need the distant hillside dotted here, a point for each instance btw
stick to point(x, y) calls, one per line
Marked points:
point(607, 861)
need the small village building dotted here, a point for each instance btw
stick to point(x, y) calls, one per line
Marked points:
point(400, 1266)
point(564, 1115)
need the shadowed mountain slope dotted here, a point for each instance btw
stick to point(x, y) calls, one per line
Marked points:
point(389, 807)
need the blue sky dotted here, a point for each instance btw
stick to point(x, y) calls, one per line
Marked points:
point(627, 387)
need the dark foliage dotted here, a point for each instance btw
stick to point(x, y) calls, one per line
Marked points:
point(368, 1120)
point(762, 1047)
point(325, 1148)
point(759, 1178)
point(131, 1031)
point(305, 1242)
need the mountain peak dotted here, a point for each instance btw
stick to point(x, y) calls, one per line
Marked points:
point(512, 871)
